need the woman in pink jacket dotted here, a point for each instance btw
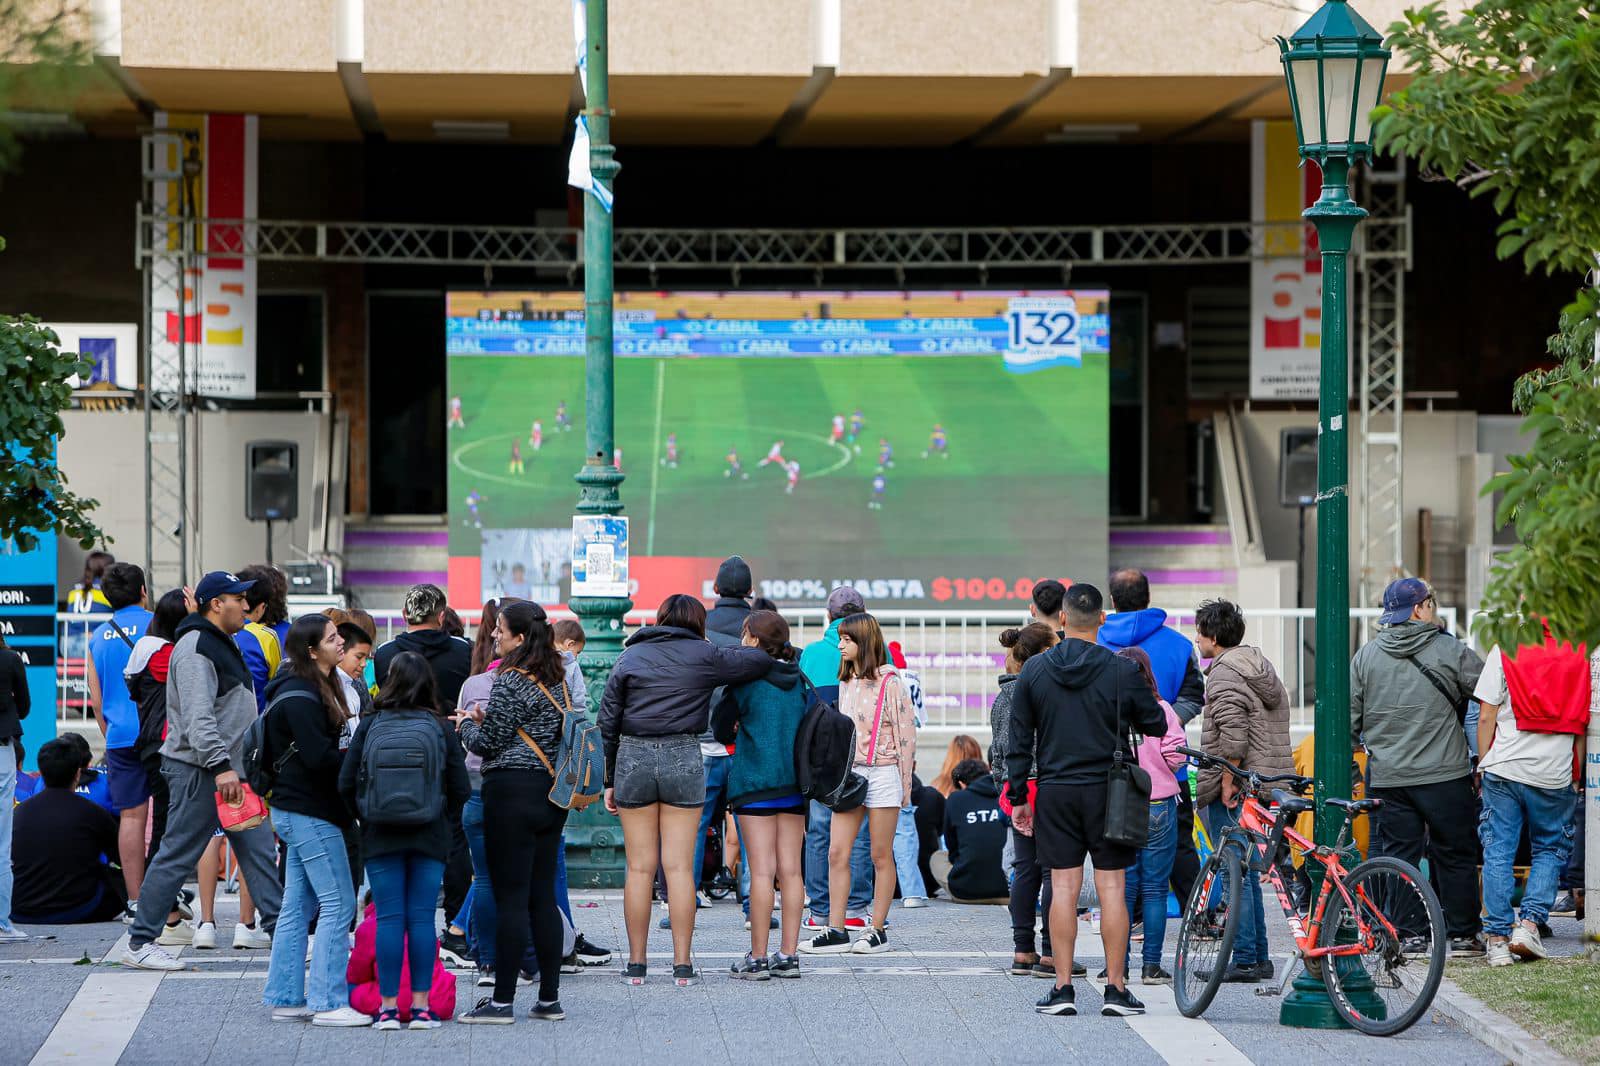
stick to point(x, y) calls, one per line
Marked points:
point(362, 974)
point(1152, 868)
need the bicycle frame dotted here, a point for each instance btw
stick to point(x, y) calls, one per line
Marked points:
point(1265, 831)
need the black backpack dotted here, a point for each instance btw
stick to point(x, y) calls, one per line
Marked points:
point(824, 754)
point(401, 780)
point(261, 764)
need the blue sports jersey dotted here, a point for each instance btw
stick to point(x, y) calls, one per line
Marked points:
point(110, 654)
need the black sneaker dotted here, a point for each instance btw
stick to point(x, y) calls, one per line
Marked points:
point(1058, 1001)
point(782, 965)
point(1235, 975)
point(684, 974)
point(588, 954)
point(1101, 976)
point(548, 1012)
point(569, 964)
point(751, 968)
point(827, 942)
point(1120, 1003)
point(1080, 970)
point(1024, 966)
point(633, 973)
point(1045, 969)
point(1155, 975)
point(454, 951)
point(488, 1012)
point(875, 941)
point(1265, 971)
point(1467, 947)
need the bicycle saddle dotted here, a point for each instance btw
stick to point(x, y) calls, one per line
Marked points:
point(1289, 804)
point(1354, 807)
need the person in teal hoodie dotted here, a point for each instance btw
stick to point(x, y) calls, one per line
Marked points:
point(761, 719)
point(820, 664)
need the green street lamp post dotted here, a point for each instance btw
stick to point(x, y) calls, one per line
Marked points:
point(1334, 68)
point(593, 836)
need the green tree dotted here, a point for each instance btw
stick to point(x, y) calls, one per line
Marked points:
point(1504, 100)
point(45, 56)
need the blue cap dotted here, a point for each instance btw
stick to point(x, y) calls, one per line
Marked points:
point(219, 583)
point(1400, 597)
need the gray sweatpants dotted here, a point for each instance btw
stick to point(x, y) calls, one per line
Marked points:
point(191, 822)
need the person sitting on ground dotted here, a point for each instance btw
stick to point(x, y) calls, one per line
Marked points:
point(971, 867)
point(962, 748)
point(362, 975)
point(59, 846)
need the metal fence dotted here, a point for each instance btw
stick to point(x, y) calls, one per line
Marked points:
point(956, 653)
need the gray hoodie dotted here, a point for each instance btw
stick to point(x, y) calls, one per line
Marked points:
point(210, 701)
point(1411, 732)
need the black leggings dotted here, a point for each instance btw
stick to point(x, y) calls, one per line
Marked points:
point(522, 839)
point(1186, 861)
point(1026, 880)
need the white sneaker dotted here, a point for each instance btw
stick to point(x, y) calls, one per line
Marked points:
point(246, 938)
point(701, 901)
point(10, 934)
point(1525, 942)
point(291, 1014)
point(912, 903)
point(1498, 952)
point(205, 939)
point(150, 957)
point(176, 935)
point(342, 1018)
point(130, 913)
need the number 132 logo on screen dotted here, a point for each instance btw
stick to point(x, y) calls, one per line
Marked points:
point(1042, 331)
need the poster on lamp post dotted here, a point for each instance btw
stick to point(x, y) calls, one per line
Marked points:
point(1286, 283)
point(599, 555)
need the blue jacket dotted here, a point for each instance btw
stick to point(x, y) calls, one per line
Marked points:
point(1171, 655)
point(761, 719)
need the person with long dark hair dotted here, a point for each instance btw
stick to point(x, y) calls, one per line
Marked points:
point(656, 704)
point(305, 715)
point(761, 718)
point(519, 736)
point(405, 862)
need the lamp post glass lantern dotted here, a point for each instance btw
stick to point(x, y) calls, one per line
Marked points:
point(1333, 68)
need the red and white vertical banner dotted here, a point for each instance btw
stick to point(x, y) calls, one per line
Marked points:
point(1286, 285)
point(217, 315)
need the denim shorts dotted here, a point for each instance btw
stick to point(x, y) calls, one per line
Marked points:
point(660, 770)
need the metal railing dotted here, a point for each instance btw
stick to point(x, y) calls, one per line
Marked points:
point(956, 653)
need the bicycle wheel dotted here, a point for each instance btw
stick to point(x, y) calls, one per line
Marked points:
point(1205, 939)
point(1391, 984)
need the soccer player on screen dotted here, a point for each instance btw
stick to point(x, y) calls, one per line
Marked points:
point(856, 422)
point(616, 459)
point(473, 518)
point(516, 457)
point(794, 478)
point(456, 421)
point(671, 459)
point(735, 468)
point(937, 444)
point(563, 422)
point(536, 435)
point(885, 455)
point(879, 485)
point(774, 455)
point(838, 429)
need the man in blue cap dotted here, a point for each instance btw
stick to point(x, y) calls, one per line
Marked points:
point(1409, 692)
point(210, 706)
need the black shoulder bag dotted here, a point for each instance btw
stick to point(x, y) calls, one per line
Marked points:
point(1457, 702)
point(1127, 790)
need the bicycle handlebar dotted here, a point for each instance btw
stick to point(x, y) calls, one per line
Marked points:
point(1249, 777)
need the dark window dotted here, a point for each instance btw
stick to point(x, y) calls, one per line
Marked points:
point(405, 414)
point(290, 338)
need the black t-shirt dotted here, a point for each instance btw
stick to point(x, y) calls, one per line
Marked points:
point(57, 843)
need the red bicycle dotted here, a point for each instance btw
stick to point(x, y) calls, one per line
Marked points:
point(1375, 934)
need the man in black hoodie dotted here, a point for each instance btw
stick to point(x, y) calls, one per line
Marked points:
point(450, 657)
point(1071, 709)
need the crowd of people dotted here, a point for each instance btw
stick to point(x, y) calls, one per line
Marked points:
point(422, 767)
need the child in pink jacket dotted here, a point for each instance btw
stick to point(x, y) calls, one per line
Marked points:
point(1147, 878)
point(362, 974)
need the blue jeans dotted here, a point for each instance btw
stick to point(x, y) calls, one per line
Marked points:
point(905, 856)
point(8, 797)
point(483, 919)
point(816, 864)
point(1250, 941)
point(1146, 890)
point(1508, 806)
point(316, 874)
point(716, 767)
point(405, 886)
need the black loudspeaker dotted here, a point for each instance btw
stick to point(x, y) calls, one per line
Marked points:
point(1297, 466)
point(271, 480)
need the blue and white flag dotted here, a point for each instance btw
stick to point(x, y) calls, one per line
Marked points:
point(578, 173)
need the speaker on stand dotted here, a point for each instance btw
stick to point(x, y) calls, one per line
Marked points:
point(271, 483)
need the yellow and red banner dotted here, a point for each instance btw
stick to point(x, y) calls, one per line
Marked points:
point(1286, 286)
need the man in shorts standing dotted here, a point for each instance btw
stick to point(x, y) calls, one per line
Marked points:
point(1070, 711)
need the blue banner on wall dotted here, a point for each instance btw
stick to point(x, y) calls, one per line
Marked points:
point(27, 621)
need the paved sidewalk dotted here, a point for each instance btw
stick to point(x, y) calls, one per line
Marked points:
point(941, 997)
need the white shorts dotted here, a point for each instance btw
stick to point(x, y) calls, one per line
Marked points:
point(883, 785)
